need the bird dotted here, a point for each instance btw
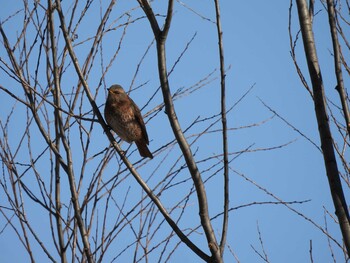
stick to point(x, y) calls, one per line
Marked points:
point(124, 118)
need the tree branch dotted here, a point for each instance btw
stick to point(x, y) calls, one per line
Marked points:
point(337, 63)
point(175, 125)
point(224, 129)
point(330, 161)
point(58, 130)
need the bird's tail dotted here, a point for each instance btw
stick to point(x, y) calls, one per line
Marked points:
point(143, 149)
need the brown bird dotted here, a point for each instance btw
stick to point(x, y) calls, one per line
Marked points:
point(125, 119)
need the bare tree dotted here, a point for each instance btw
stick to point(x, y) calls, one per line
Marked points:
point(64, 117)
point(71, 190)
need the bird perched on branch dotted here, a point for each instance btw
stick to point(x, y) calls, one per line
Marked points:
point(125, 119)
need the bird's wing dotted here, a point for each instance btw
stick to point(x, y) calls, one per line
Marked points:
point(139, 119)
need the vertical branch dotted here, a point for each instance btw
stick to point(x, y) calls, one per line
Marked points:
point(60, 128)
point(330, 161)
point(337, 63)
point(51, 33)
point(160, 36)
point(20, 211)
point(311, 10)
point(224, 128)
point(292, 44)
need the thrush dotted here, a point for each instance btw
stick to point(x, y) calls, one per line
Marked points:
point(125, 119)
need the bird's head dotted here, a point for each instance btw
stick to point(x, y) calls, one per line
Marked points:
point(116, 89)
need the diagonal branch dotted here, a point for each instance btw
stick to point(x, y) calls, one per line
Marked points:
point(168, 19)
point(151, 17)
point(330, 161)
point(337, 64)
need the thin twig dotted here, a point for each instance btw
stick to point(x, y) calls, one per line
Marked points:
point(224, 129)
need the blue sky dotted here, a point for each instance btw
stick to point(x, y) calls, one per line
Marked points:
point(256, 44)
